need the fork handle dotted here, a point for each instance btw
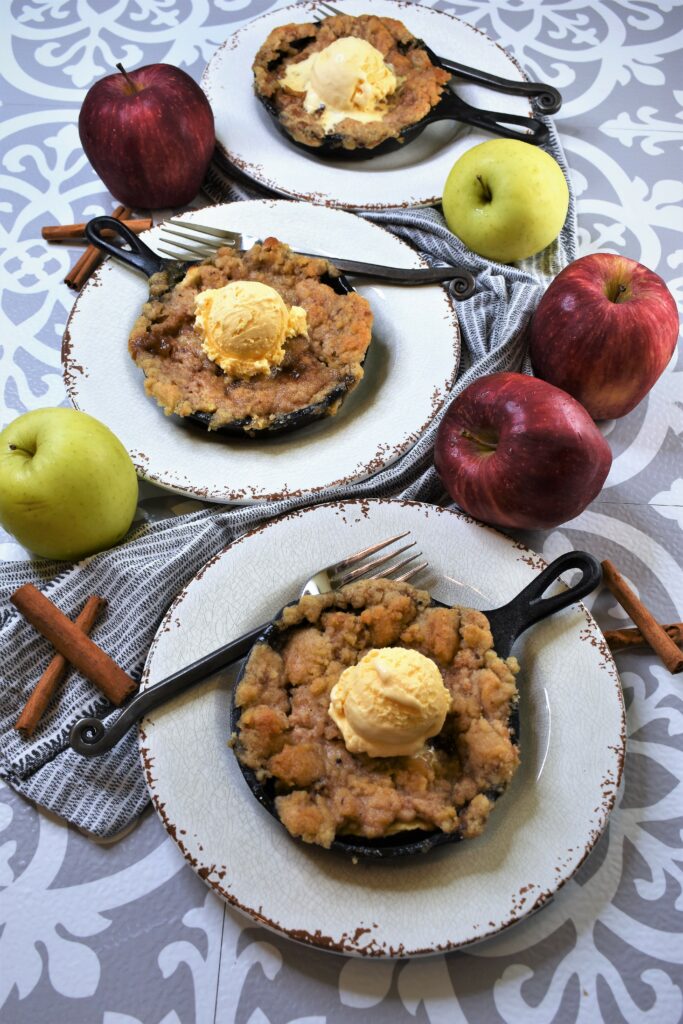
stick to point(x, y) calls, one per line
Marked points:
point(547, 99)
point(91, 737)
point(463, 283)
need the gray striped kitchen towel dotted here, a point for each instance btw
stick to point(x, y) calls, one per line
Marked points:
point(141, 576)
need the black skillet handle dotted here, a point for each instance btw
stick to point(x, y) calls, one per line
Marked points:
point(139, 257)
point(529, 606)
point(546, 99)
point(451, 108)
point(92, 737)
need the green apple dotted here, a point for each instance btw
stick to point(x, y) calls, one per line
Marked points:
point(506, 199)
point(67, 485)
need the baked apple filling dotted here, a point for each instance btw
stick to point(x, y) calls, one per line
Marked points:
point(362, 79)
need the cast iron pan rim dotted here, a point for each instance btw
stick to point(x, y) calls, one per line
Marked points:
point(507, 622)
point(400, 844)
point(141, 258)
point(332, 146)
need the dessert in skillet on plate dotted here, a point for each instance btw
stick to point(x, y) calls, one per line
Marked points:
point(356, 81)
point(254, 342)
point(376, 712)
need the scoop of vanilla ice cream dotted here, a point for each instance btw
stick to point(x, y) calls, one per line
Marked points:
point(243, 326)
point(389, 703)
point(348, 78)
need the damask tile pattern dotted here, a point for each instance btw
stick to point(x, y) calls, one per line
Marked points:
point(127, 934)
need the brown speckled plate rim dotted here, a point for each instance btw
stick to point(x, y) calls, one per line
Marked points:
point(254, 172)
point(350, 943)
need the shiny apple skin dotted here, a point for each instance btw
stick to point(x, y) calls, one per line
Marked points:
point(150, 148)
point(515, 451)
point(506, 199)
point(607, 354)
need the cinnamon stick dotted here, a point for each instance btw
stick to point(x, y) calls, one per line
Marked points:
point(74, 645)
point(65, 232)
point(658, 639)
point(618, 638)
point(83, 267)
point(92, 257)
point(47, 685)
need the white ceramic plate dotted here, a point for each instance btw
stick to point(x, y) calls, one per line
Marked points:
point(414, 175)
point(572, 735)
point(409, 370)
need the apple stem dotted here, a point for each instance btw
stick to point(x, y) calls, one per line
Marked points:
point(485, 189)
point(616, 292)
point(482, 443)
point(131, 84)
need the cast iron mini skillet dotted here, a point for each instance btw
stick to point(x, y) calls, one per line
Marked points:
point(507, 624)
point(141, 257)
point(450, 107)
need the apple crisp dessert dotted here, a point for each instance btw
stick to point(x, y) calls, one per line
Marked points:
point(325, 335)
point(288, 738)
point(360, 98)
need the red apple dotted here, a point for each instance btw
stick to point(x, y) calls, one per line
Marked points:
point(515, 451)
point(604, 331)
point(149, 135)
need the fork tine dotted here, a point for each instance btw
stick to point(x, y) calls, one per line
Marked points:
point(202, 228)
point(209, 250)
point(363, 570)
point(185, 236)
point(404, 577)
point(205, 246)
point(194, 250)
point(325, 7)
point(389, 572)
point(189, 243)
point(358, 556)
point(192, 253)
point(401, 565)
